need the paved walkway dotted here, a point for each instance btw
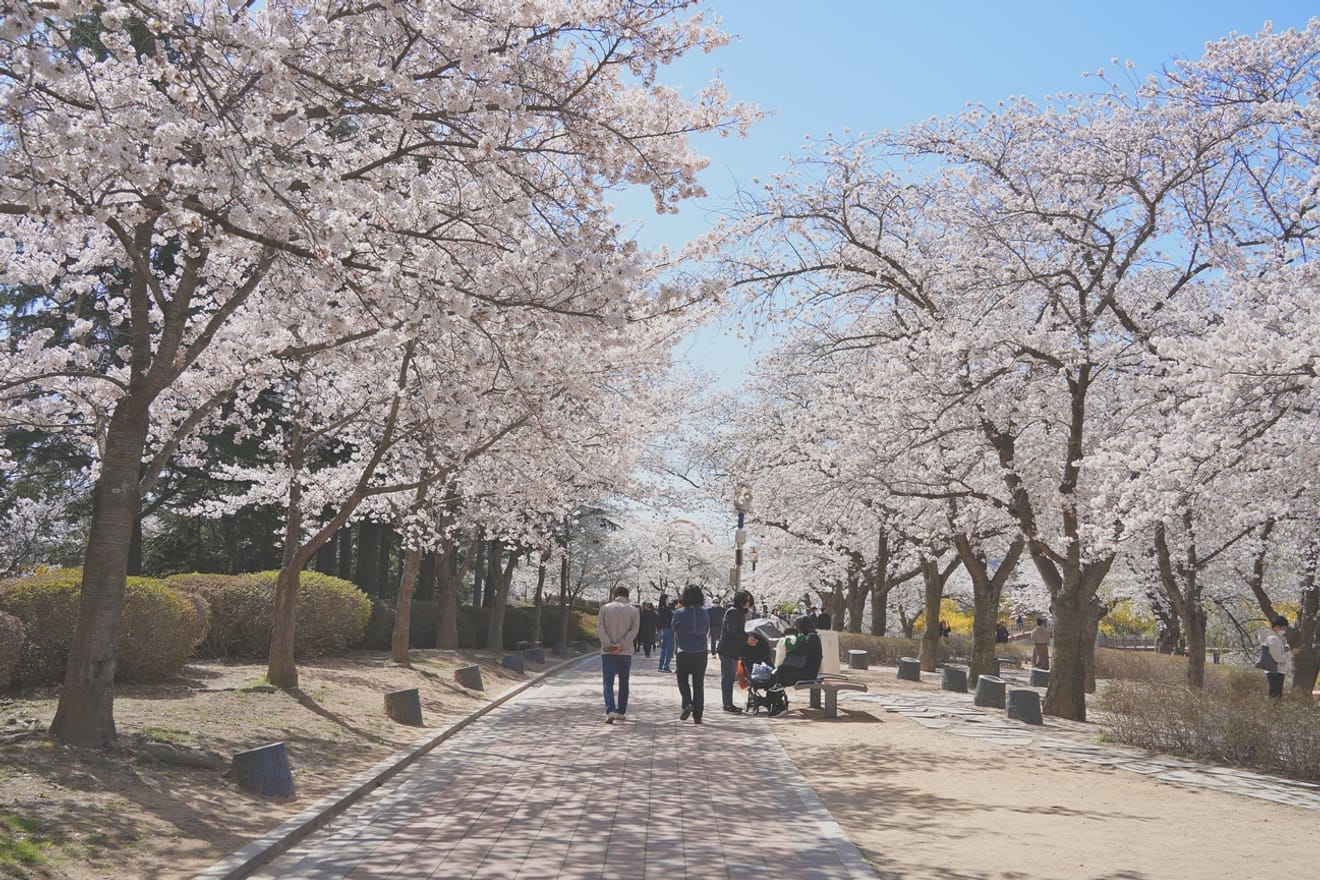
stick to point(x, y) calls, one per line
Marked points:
point(542, 788)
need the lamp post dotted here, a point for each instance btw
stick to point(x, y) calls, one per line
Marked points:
point(742, 503)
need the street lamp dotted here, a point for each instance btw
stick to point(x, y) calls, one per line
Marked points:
point(742, 503)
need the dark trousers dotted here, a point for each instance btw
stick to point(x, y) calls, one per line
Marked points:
point(1276, 684)
point(692, 680)
point(614, 666)
point(728, 671)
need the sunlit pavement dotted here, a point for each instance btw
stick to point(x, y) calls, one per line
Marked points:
point(542, 788)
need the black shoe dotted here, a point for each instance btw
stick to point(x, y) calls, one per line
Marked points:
point(696, 720)
point(685, 714)
point(733, 709)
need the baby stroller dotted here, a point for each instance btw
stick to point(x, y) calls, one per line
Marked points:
point(763, 692)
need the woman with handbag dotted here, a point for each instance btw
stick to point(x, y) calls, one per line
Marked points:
point(1275, 656)
point(732, 636)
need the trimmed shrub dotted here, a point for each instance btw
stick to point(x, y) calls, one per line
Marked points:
point(157, 632)
point(1218, 724)
point(332, 613)
point(11, 648)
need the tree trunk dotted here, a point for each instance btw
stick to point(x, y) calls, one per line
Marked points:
point(1196, 627)
point(135, 548)
point(426, 583)
point(857, 593)
point(383, 560)
point(85, 713)
point(446, 628)
point(930, 637)
point(500, 600)
point(281, 670)
point(986, 591)
point(326, 556)
point(368, 559)
point(563, 599)
point(401, 640)
point(344, 565)
point(539, 601)
point(477, 557)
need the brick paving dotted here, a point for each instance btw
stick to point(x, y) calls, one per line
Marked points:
point(542, 788)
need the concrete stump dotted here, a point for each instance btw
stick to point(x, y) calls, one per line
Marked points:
point(264, 771)
point(909, 669)
point(999, 666)
point(858, 660)
point(989, 692)
point(955, 679)
point(581, 647)
point(404, 707)
point(469, 677)
point(536, 655)
point(1024, 705)
point(1040, 678)
point(514, 662)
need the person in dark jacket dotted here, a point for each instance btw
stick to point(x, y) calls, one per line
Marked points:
point(664, 614)
point(691, 626)
point(822, 621)
point(803, 659)
point(732, 637)
point(716, 614)
point(646, 634)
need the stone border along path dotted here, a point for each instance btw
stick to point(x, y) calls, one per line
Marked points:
point(955, 713)
point(542, 788)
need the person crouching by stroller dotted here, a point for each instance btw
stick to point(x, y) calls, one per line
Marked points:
point(803, 656)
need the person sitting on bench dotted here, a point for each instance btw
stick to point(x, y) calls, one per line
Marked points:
point(803, 657)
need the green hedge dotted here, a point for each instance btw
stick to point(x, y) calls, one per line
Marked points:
point(158, 630)
point(332, 613)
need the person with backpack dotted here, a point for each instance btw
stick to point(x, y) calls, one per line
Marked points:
point(691, 626)
point(1275, 655)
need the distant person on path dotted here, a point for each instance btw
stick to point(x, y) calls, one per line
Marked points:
point(945, 629)
point(1040, 640)
point(1277, 650)
point(1001, 633)
point(716, 614)
point(649, 625)
point(617, 625)
point(732, 636)
point(664, 614)
point(691, 631)
point(823, 620)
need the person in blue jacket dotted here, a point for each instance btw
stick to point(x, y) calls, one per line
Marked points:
point(691, 625)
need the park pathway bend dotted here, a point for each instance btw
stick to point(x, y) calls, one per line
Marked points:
point(542, 788)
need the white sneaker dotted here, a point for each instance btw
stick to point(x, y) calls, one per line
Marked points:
point(609, 717)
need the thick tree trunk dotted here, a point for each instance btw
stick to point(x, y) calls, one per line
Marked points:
point(1196, 627)
point(400, 641)
point(281, 670)
point(539, 601)
point(344, 564)
point(368, 559)
point(930, 637)
point(326, 556)
point(426, 578)
point(446, 629)
point(1066, 695)
point(879, 612)
point(857, 593)
point(85, 713)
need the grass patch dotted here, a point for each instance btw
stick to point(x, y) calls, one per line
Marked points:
point(22, 846)
point(172, 735)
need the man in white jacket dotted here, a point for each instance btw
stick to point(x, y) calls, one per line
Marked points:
point(617, 625)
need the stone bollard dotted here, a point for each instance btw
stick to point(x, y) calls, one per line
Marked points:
point(858, 660)
point(955, 679)
point(909, 669)
point(469, 677)
point(536, 655)
point(264, 771)
point(514, 662)
point(999, 666)
point(404, 707)
point(581, 647)
point(1024, 705)
point(989, 692)
point(1040, 678)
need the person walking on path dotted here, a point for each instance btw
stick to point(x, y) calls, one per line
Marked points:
point(716, 614)
point(1276, 648)
point(691, 628)
point(664, 614)
point(617, 625)
point(732, 636)
point(646, 634)
point(1040, 641)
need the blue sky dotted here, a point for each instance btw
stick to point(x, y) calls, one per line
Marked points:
point(827, 65)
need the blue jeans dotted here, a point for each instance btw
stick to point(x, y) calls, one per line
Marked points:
point(615, 666)
point(666, 648)
point(728, 672)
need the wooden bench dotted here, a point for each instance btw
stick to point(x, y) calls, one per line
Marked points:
point(831, 685)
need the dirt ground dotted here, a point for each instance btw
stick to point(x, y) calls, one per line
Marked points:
point(925, 804)
point(92, 814)
point(921, 804)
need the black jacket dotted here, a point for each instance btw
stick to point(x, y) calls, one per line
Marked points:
point(732, 635)
point(810, 647)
